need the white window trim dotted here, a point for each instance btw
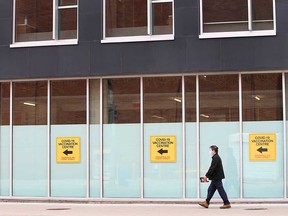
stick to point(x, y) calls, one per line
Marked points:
point(55, 41)
point(141, 38)
point(248, 33)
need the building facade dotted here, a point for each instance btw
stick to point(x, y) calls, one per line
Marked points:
point(121, 99)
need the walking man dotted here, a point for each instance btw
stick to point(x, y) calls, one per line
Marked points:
point(215, 174)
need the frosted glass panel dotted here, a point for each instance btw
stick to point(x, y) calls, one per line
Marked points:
point(191, 161)
point(30, 175)
point(226, 136)
point(163, 180)
point(68, 179)
point(122, 160)
point(95, 161)
point(263, 179)
point(4, 161)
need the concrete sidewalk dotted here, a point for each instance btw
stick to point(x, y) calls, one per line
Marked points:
point(64, 209)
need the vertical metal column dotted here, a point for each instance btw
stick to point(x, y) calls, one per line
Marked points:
point(183, 138)
point(11, 139)
point(142, 135)
point(284, 134)
point(198, 135)
point(240, 136)
point(88, 138)
point(48, 137)
point(250, 27)
point(101, 138)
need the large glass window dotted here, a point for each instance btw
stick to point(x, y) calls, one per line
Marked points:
point(262, 136)
point(219, 125)
point(30, 138)
point(237, 16)
point(68, 124)
point(34, 20)
point(121, 138)
point(138, 17)
point(4, 139)
point(191, 137)
point(163, 159)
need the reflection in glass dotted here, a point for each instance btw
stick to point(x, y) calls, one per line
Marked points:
point(67, 2)
point(121, 137)
point(262, 114)
point(34, 20)
point(225, 16)
point(191, 134)
point(126, 18)
point(68, 23)
point(30, 138)
point(262, 14)
point(219, 125)
point(190, 99)
point(68, 102)
point(5, 103)
point(30, 103)
point(68, 119)
point(162, 18)
point(5, 139)
point(121, 101)
point(219, 98)
point(162, 99)
point(262, 97)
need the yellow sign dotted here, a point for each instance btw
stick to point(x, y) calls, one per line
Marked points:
point(262, 147)
point(68, 149)
point(163, 148)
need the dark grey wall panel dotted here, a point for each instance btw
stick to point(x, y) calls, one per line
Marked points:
point(106, 59)
point(6, 8)
point(155, 57)
point(74, 60)
point(43, 62)
point(187, 53)
point(14, 64)
point(203, 55)
point(5, 33)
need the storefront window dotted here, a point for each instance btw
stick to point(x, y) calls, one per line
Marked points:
point(262, 136)
point(5, 139)
point(30, 138)
point(163, 159)
point(191, 137)
point(121, 138)
point(68, 125)
point(219, 125)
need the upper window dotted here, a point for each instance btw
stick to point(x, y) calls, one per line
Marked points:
point(237, 18)
point(147, 19)
point(45, 22)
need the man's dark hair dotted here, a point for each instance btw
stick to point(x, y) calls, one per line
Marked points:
point(214, 148)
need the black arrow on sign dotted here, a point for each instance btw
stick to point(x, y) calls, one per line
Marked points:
point(66, 152)
point(262, 150)
point(161, 151)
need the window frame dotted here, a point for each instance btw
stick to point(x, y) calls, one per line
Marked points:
point(55, 41)
point(249, 33)
point(149, 36)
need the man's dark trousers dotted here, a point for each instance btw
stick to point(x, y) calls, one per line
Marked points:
point(217, 185)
